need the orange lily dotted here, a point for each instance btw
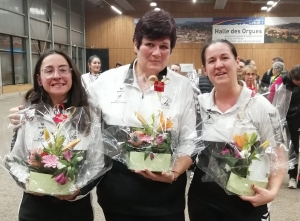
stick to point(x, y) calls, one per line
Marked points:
point(164, 125)
point(239, 140)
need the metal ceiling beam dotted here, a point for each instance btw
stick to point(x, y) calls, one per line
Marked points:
point(124, 4)
point(220, 4)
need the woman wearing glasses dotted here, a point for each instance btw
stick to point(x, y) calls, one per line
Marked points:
point(56, 81)
point(249, 76)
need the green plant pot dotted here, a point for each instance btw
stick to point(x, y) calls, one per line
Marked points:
point(160, 163)
point(242, 186)
point(44, 184)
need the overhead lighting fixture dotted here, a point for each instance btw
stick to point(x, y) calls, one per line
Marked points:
point(264, 8)
point(270, 3)
point(275, 3)
point(113, 8)
point(153, 4)
point(116, 10)
point(269, 9)
point(194, 1)
point(157, 9)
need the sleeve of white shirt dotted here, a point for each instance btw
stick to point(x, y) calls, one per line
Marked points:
point(187, 124)
point(270, 127)
point(19, 153)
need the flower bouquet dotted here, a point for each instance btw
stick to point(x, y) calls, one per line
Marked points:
point(57, 152)
point(149, 147)
point(237, 165)
point(247, 163)
point(54, 166)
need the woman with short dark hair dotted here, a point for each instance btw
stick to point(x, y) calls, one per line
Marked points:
point(126, 195)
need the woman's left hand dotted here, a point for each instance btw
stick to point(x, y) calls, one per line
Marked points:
point(68, 197)
point(262, 196)
point(166, 177)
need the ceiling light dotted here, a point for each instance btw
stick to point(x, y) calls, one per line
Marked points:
point(264, 8)
point(116, 10)
point(157, 9)
point(275, 3)
point(270, 3)
point(194, 1)
point(269, 9)
point(153, 4)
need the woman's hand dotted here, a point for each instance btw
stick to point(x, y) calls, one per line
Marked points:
point(262, 196)
point(165, 177)
point(13, 117)
point(68, 197)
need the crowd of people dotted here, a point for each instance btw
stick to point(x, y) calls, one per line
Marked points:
point(227, 85)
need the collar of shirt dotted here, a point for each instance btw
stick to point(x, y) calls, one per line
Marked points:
point(243, 98)
point(130, 77)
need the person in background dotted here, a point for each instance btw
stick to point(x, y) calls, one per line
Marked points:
point(118, 64)
point(176, 68)
point(94, 64)
point(205, 84)
point(240, 69)
point(249, 76)
point(292, 82)
point(252, 62)
point(126, 195)
point(266, 79)
point(207, 200)
point(278, 70)
point(56, 80)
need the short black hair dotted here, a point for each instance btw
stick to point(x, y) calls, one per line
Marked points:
point(277, 59)
point(155, 25)
point(295, 72)
point(242, 60)
point(231, 46)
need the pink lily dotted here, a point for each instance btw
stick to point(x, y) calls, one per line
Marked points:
point(159, 139)
point(67, 155)
point(61, 179)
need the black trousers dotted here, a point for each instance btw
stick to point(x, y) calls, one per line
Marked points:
point(49, 208)
point(294, 133)
point(123, 217)
point(207, 201)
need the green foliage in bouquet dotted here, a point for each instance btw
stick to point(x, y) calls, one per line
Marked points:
point(150, 138)
point(239, 156)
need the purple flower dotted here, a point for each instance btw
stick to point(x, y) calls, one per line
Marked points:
point(50, 161)
point(159, 139)
point(68, 155)
point(61, 179)
point(225, 151)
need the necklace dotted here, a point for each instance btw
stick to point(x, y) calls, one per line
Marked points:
point(93, 77)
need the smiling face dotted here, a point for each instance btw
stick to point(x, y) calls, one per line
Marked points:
point(59, 84)
point(221, 65)
point(153, 56)
point(95, 66)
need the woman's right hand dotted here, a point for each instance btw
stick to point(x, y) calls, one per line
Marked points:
point(13, 117)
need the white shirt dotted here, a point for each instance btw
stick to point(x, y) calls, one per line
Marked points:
point(88, 78)
point(249, 114)
point(118, 95)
